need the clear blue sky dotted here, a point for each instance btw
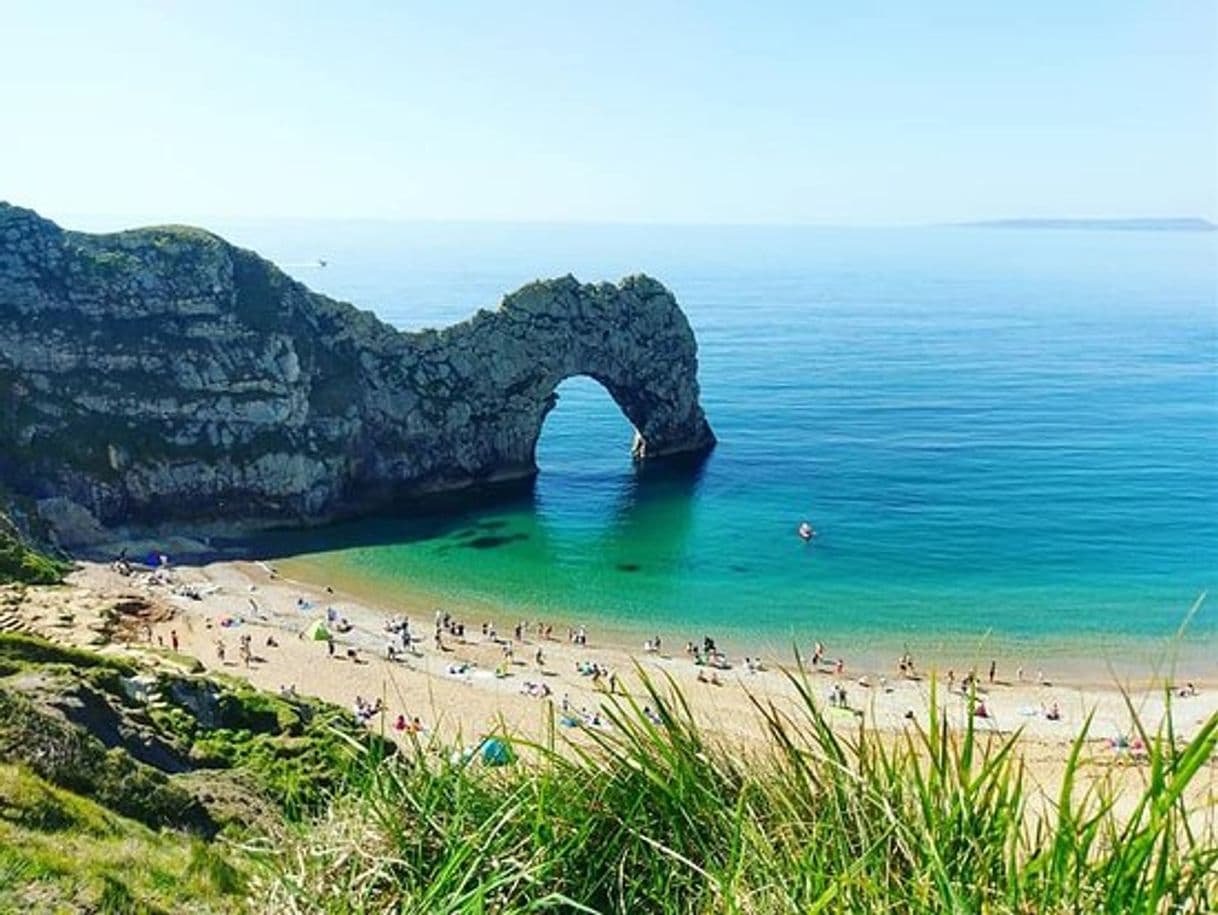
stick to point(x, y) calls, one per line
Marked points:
point(631, 111)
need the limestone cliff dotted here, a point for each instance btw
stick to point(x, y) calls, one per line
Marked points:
point(162, 374)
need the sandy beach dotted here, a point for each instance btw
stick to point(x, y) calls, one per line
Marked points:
point(471, 684)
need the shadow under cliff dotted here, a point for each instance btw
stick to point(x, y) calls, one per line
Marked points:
point(467, 518)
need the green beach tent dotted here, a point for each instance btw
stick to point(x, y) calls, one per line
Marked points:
point(318, 631)
point(496, 752)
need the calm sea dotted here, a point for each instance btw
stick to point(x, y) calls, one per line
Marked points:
point(1001, 435)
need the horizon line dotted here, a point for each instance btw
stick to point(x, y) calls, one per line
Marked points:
point(147, 220)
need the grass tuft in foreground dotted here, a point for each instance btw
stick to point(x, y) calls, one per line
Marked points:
point(663, 818)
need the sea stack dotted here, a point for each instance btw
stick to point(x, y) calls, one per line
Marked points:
point(163, 374)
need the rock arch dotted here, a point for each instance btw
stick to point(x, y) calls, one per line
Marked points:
point(163, 373)
point(632, 338)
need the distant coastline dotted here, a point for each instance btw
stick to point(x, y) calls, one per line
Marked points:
point(1174, 224)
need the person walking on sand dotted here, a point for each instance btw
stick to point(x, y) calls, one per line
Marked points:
point(173, 639)
point(993, 669)
point(330, 645)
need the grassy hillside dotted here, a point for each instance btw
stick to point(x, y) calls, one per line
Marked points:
point(60, 851)
point(125, 788)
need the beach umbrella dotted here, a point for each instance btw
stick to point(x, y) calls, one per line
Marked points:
point(495, 752)
point(318, 631)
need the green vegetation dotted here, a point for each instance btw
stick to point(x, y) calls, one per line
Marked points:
point(62, 852)
point(124, 789)
point(298, 750)
point(21, 563)
point(661, 818)
point(278, 804)
point(24, 652)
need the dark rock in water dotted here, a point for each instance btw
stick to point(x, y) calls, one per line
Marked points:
point(163, 374)
point(491, 541)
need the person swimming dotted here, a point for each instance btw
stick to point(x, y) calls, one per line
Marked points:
point(806, 531)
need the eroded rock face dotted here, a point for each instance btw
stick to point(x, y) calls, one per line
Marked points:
point(163, 374)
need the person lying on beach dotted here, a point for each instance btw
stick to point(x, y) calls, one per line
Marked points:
point(365, 711)
point(1187, 691)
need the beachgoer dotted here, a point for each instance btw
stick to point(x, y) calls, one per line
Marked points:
point(173, 638)
point(993, 669)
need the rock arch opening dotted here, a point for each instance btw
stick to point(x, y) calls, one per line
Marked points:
point(585, 432)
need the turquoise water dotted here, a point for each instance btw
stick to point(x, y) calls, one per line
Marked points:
point(994, 431)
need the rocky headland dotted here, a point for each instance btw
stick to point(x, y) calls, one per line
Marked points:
point(165, 375)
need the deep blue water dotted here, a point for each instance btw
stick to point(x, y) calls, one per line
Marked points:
point(1004, 431)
